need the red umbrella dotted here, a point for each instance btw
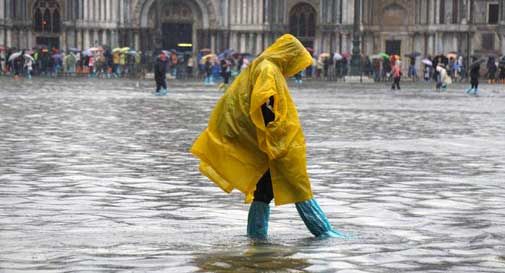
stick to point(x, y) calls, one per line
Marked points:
point(2, 48)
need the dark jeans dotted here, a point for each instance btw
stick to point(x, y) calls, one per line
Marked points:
point(264, 192)
point(160, 83)
point(474, 83)
point(396, 83)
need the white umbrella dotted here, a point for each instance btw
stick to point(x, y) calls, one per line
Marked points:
point(29, 57)
point(14, 56)
point(337, 57)
point(427, 62)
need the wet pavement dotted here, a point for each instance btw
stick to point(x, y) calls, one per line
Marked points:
point(96, 176)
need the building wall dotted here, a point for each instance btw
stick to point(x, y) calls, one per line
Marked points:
point(251, 25)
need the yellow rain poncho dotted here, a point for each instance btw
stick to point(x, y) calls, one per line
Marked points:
point(237, 148)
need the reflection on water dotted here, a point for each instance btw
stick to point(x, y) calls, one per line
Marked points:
point(256, 257)
point(95, 176)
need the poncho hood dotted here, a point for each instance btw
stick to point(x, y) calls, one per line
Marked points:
point(288, 54)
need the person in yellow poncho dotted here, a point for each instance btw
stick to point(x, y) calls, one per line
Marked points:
point(254, 141)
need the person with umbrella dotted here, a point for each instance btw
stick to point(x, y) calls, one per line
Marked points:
point(17, 60)
point(443, 79)
point(427, 68)
point(28, 66)
point(209, 79)
point(254, 141)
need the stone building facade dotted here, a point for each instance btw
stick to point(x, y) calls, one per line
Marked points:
point(400, 26)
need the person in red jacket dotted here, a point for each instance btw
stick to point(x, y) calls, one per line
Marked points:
point(397, 75)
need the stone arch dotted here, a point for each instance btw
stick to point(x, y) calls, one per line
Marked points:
point(394, 14)
point(205, 7)
point(302, 21)
point(312, 3)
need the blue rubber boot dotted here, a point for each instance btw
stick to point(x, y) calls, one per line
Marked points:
point(469, 90)
point(257, 221)
point(316, 221)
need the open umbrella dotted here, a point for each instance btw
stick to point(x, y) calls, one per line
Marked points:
point(442, 59)
point(337, 57)
point(117, 49)
point(414, 54)
point(14, 56)
point(74, 49)
point(427, 62)
point(376, 56)
point(29, 57)
point(17, 54)
point(93, 49)
point(324, 55)
point(478, 62)
point(125, 49)
point(346, 55)
point(452, 55)
point(384, 55)
point(205, 50)
point(2, 48)
point(210, 57)
point(57, 56)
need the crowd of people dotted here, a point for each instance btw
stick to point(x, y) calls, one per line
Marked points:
point(106, 62)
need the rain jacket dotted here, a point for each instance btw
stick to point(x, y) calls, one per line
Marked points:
point(237, 148)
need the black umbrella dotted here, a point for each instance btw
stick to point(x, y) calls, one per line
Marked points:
point(441, 59)
point(414, 54)
point(478, 62)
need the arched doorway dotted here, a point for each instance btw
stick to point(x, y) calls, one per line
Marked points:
point(302, 23)
point(46, 19)
point(173, 24)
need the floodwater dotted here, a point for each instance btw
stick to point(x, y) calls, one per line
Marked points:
point(96, 176)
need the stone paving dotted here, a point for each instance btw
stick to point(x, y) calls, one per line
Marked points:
point(95, 176)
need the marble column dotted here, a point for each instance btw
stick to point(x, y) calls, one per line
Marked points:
point(85, 43)
point(243, 11)
point(136, 39)
point(242, 42)
point(115, 42)
point(104, 10)
point(8, 38)
point(108, 11)
point(213, 41)
point(502, 41)
point(85, 10)
point(250, 13)
point(231, 12)
point(104, 37)
point(431, 42)
point(344, 42)
point(63, 40)
point(259, 43)
point(121, 11)
point(2, 36)
point(2, 9)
